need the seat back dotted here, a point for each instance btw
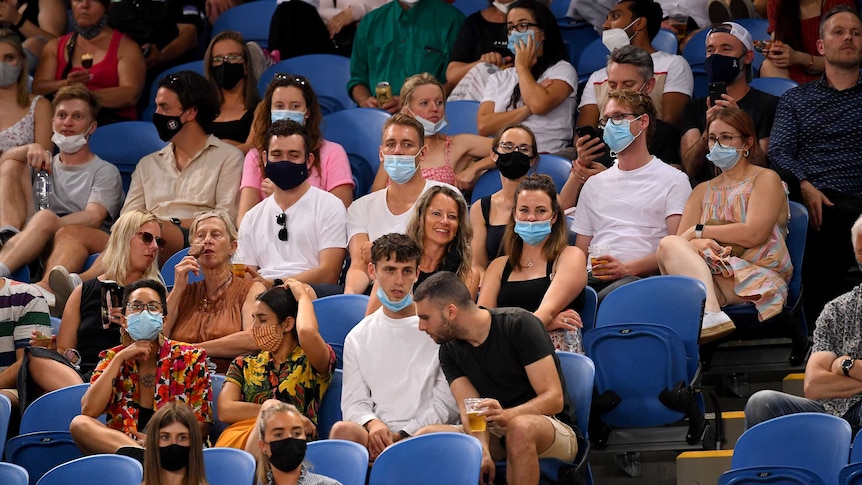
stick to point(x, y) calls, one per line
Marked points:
point(330, 406)
point(229, 466)
point(55, 410)
point(358, 130)
point(341, 460)
point(249, 19)
point(593, 58)
point(674, 301)
point(468, 7)
point(637, 361)
point(588, 311)
point(775, 86)
point(336, 316)
point(22, 274)
point(815, 441)
point(12, 474)
point(218, 426)
point(431, 459)
point(327, 73)
point(851, 474)
point(124, 144)
point(695, 50)
point(147, 115)
point(462, 117)
point(118, 469)
point(579, 373)
point(41, 451)
point(796, 236)
point(168, 269)
point(5, 416)
point(666, 41)
point(576, 36)
point(783, 475)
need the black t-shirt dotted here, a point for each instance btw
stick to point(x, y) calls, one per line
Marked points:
point(497, 367)
point(665, 143)
point(478, 36)
point(154, 21)
point(236, 130)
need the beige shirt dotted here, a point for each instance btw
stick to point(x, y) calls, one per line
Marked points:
point(210, 181)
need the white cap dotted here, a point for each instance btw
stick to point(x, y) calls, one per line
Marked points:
point(735, 30)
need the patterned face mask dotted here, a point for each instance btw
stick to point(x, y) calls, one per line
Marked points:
point(268, 337)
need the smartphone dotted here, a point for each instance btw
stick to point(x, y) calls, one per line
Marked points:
point(716, 90)
point(111, 295)
point(587, 130)
point(605, 157)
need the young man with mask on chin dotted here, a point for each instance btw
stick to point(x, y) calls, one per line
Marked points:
point(299, 231)
point(729, 53)
point(87, 190)
point(402, 150)
point(136, 378)
point(635, 203)
point(393, 384)
point(196, 172)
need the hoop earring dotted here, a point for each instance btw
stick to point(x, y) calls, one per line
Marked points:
point(745, 153)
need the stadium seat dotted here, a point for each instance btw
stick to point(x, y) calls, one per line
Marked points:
point(194, 66)
point(695, 50)
point(431, 459)
point(462, 117)
point(217, 381)
point(359, 131)
point(12, 474)
point(115, 469)
point(336, 316)
point(249, 19)
point(779, 475)
point(41, 451)
point(851, 474)
point(341, 460)
point(5, 416)
point(559, 8)
point(558, 168)
point(53, 411)
point(229, 466)
point(588, 311)
point(666, 41)
point(468, 7)
point(775, 86)
point(593, 58)
point(576, 36)
point(814, 441)
point(22, 275)
point(124, 144)
point(168, 269)
point(330, 406)
point(327, 73)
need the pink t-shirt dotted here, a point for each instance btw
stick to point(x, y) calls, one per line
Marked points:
point(334, 169)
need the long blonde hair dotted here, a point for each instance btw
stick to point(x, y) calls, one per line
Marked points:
point(263, 465)
point(458, 247)
point(174, 412)
point(117, 254)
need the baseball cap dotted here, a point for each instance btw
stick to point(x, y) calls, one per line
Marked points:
point(735, 30)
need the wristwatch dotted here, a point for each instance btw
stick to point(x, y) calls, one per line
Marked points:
point(847, 364)
point(698, 231)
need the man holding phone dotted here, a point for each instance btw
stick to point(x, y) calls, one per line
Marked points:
point(729, 53)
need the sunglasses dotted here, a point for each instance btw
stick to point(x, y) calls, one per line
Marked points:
point(148, 239)
point(302, 81)
point(281, 220)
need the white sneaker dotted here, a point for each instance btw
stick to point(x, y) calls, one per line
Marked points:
point(715, 325)
point(63, 283)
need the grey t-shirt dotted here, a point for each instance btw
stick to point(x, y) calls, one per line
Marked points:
point(75, 186)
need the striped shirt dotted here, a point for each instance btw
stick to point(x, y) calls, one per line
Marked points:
point(22, 310)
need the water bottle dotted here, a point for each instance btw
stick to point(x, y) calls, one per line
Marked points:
point(571, 338)
point(44, 188)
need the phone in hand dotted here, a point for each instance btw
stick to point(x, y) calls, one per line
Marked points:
point(715, 91)
point(111, 298)
point(587, 130)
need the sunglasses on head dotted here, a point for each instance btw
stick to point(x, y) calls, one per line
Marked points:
point(148, 239)
point(302, 81)
point(281, 220)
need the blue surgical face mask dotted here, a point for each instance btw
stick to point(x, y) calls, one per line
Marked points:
point(431, 128)
point(516, 36)
point(144, 325)
point(618, 137)
point(725, 158)
point(533, 233)
point(394, 306)
point(400, 168)
point(286, 114)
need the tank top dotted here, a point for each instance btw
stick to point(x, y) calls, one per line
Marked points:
point(23, 132)
point(493, 234)
point(528, 294)
point(92, 338)
point(444, 173)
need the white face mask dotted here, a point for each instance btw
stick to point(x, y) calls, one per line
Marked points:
point(613, 38)
point(70, 144)
point(503, 7)
point(409, 3)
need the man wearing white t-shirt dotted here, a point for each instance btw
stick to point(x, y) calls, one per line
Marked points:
point(299, 231)
point(635, 203)
point(402, 149)
point(393, 384)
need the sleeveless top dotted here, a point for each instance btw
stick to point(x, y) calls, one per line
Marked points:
point(760, 273)
point(493, 234)
point(92, 338)
point(103, 74)
point(236, 130)
point(197, 322)
point(23, 132)
point(450, 263)
point(444, 173)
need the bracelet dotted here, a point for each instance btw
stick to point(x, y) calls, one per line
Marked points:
point(698, 231)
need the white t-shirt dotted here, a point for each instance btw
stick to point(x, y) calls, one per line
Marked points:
point(370, 214)
point(392, 373)
point(627, 209)
point(554, 129)
point(316, 221)
point(672, 75)
point(696, 9)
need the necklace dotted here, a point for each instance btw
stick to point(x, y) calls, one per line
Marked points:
point(206, 302)
point(529, 264)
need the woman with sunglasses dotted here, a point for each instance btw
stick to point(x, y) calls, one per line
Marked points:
point(212, 313)
point(291, 97)
point(514, 152)
point(450, 159)
point(227, 64)
point(540, 89)
point(731, 236)
point(89, 325)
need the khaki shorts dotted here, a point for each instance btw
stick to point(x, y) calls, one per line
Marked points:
point(564, 447)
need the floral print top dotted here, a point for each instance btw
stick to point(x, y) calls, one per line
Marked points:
point(181, 375)
point(294, 382)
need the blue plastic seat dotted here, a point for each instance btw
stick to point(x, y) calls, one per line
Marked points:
point(576, 36)
point(851, 474)
point(814, 441)
point(330, 406)
point(341, 460)
point(5, 416)
point(359, 131)
point(41, 451)
point(558, 168)
point(327, 73)
point(666, 41)
point(54, 411)
point(468, 7)
point(775, 86)
point(22, 274)
point(12, 474)
point(778, 475)
point(431, 459)
point(559, 8)
point(593, 58)
point(249, 19)
point(170, 264)
point(695, 50)
point(462, 117)
point(124, 144)
point(116, 469)
point(336, 316)
point(194, 66)
point(218, 426)
point(588, 311)
point(229, 466)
